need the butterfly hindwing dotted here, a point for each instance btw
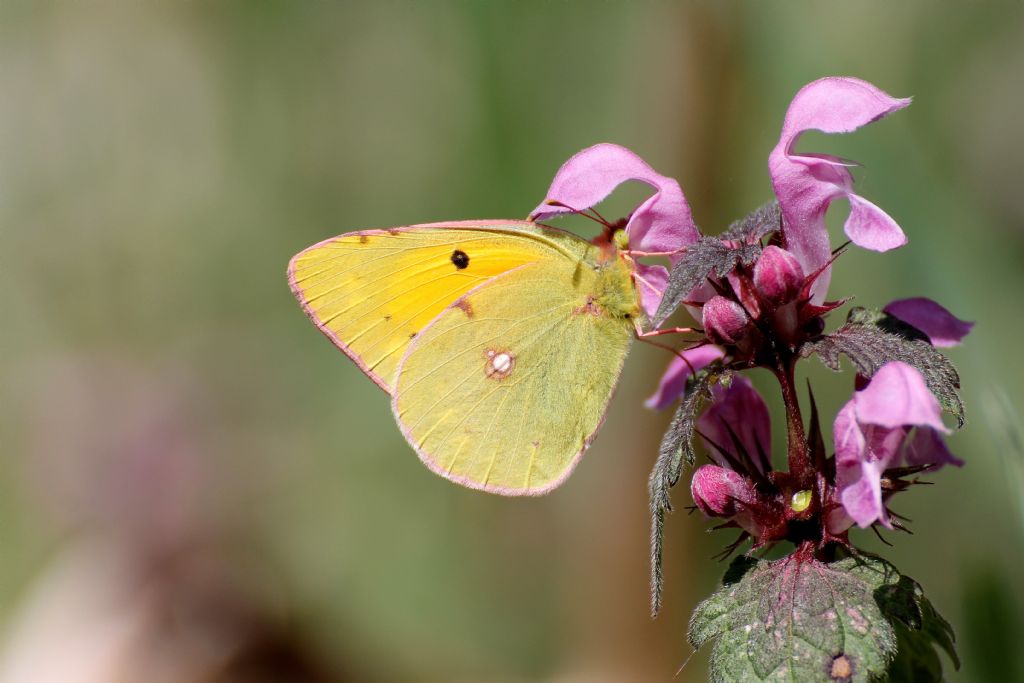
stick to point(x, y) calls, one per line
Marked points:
point(505, 389)
point(372, 292)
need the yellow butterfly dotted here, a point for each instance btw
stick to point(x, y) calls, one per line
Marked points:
point(499, 342)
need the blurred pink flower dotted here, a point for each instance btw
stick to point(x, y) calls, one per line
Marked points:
point(942, 327)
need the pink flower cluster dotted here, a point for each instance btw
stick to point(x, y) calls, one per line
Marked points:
point(892, 423)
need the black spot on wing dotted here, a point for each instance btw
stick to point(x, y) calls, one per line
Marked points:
point(460, 259)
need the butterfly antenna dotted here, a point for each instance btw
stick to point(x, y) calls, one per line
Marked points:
point(593, 215)
point(675, 352)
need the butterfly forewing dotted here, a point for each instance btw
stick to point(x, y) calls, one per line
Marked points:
point(373, 292)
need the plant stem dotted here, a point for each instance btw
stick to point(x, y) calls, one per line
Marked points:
point(798, 458)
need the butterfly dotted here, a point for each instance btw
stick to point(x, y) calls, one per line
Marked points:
point(500, 342)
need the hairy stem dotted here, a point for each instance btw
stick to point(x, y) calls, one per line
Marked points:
point(798, 458)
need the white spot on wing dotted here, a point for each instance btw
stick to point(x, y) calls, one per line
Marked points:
point(499, 364)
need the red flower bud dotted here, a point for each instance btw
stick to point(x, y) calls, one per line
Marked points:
point(720, 492)
point(725, 321)
point(778, 275)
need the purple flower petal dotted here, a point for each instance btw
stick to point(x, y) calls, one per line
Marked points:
point(662, 223)
point(941, 326)
point(738, 410)
point(651, 281)
point(862, 497)
point(869, 227)
point(858, 474)
point(897, 396)
point(927, 447)
point(848, 437)
point(806, 184)
point(673, 381)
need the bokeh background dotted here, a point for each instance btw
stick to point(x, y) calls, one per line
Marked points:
point(196, 486)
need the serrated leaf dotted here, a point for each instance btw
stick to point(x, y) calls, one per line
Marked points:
point(870, 339)
point(919, 630)
point(676, 447)
point(755, 225)
point(707, 256)
point(799, 620)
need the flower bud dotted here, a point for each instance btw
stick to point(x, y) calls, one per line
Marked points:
point(720, 492)
point(778, 275)
point(725, 321)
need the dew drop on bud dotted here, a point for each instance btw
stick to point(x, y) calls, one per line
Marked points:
point(800, 501)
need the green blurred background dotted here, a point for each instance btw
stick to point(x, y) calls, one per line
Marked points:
point(196, 486)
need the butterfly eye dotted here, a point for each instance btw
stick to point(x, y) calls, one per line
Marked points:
point(621, 240)
point(460, 259)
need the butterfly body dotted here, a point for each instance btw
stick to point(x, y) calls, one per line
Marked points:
point(500, 342)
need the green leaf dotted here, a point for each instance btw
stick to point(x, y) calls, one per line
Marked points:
point(799, 620)
point(870, 339)
point(919, 630)
point(857, 619)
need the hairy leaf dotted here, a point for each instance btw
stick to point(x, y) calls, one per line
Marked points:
point(676, 446)
point(795, 619)
point(799, 620)
point(704, 258)
point(919, 630)
point(758, 223)
point(870, 339)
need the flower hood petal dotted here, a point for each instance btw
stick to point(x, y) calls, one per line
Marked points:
point(806, 184)
point(662, 223)
point(897, 396)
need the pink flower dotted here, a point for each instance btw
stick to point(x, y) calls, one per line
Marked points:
point(942, 327)
point(738, 423)
point(662, 223)
point(806, 183)
point(870, 433)
point(736, 430)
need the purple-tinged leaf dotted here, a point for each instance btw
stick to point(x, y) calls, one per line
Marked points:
point(706, 257)
point(870, 339)
point(799, 619)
